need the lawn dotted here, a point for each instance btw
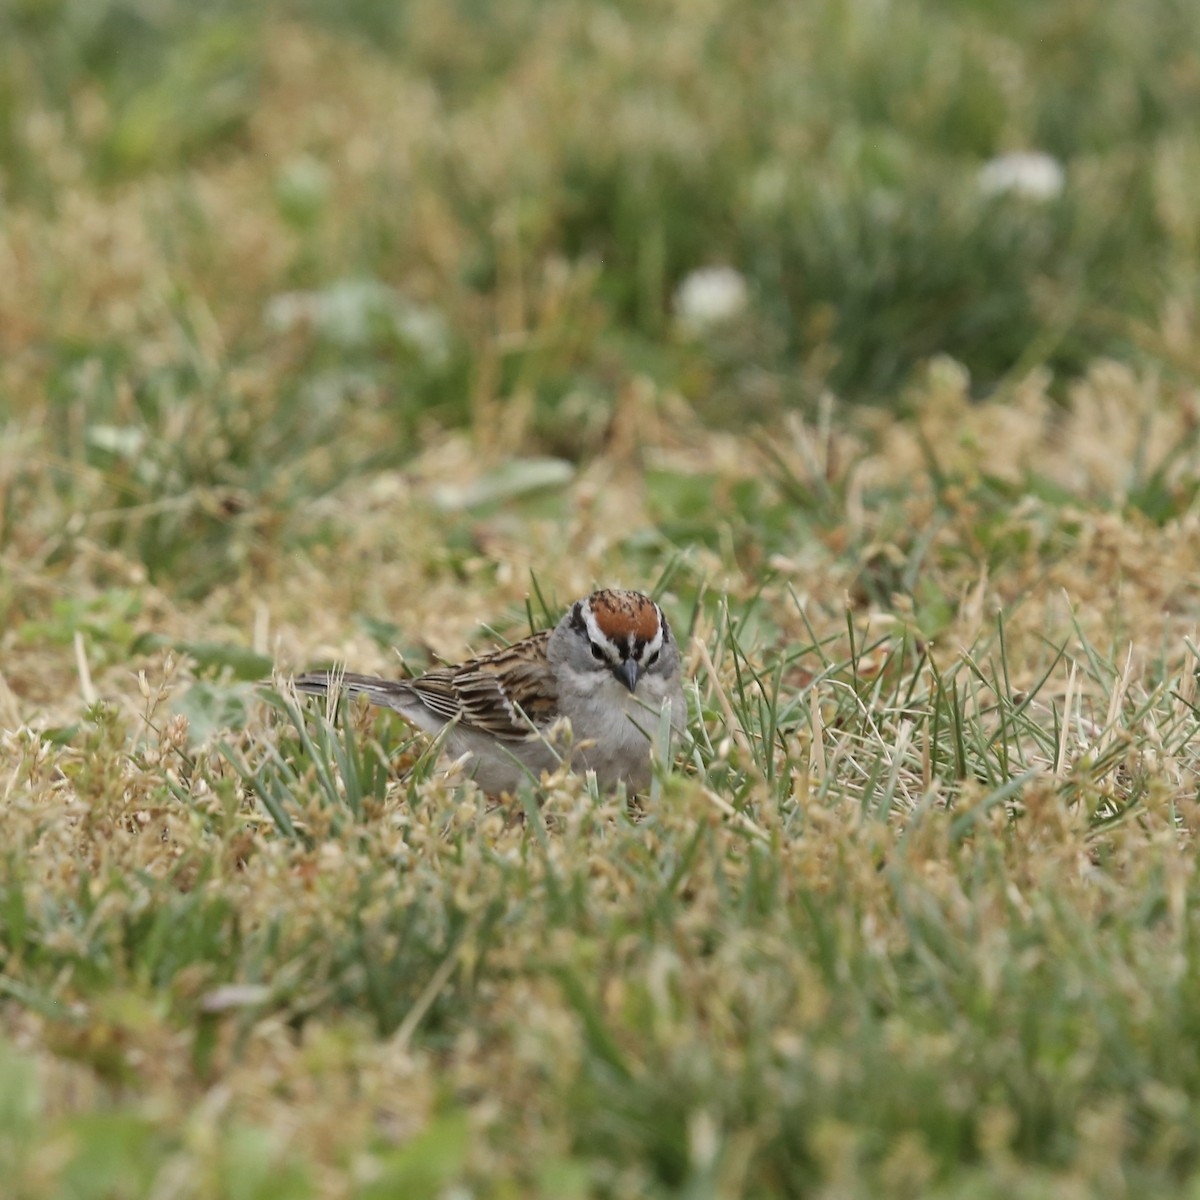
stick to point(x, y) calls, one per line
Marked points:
point(376, 333)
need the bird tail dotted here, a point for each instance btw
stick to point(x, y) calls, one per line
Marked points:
point(383, 692)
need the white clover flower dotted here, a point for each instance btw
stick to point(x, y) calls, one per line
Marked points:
point(710, 296)
point(1027, 173)
point(350, 312)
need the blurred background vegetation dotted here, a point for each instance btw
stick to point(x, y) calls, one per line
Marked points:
point(830, 152)
point(302, 232)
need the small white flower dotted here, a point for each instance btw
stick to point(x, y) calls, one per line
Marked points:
point(229, 996)
point(708, 297)
point(351, 312)
point(1028, 173)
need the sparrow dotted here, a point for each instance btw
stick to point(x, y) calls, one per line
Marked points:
point(609, 667)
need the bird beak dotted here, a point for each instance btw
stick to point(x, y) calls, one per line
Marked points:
point(629, 672)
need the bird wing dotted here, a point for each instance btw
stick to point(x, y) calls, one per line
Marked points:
point(503, 693)
point(509, 693)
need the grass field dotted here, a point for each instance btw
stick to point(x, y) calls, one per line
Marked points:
point(343, 332)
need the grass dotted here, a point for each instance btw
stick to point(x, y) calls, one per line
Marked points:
point(337, 333)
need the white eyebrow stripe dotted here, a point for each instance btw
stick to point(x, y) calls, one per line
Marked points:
point(595, 636)
point(654, 645)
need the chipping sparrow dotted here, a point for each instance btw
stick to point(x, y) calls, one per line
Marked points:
point(609, 666)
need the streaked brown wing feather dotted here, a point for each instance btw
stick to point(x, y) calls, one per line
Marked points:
point(438, 692)
point(472, 692)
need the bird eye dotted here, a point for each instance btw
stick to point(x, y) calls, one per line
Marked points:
point(597, 653)
point(652, 660)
